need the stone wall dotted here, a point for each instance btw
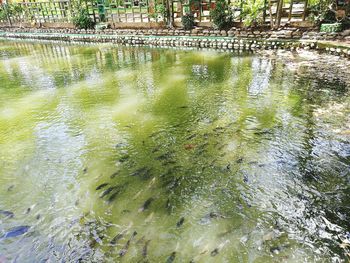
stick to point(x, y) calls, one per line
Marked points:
point(286, 33)
point(234, 39)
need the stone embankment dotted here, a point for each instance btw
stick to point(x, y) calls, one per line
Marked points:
point(234, 39)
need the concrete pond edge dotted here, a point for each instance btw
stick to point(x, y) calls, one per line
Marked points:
point(224, 43)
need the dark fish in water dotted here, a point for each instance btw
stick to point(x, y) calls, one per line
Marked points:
point(214, 252)
point(263, 132)
point(146, 204)
point(174, 184)
point(156, 149)
point(123, 251)
point(140, 171)
point(189, 146)
point(171, 258)
point(101, 186)
point(7, 214)
point(191, 136)
point(180, 222)
point(245, 178)
point(114, 174)
point(168, 162)
point(164, 156)
point(183, 107)
point(145, 248)
point(114, 195)
point(115, 239)
point(108, 191)
point(38, 217)
point(207, 218)
point(85, 170)
point(119, 145)
point(216, 215)
point(10, 188)
point(28, 210)
point(15, 232)
point(218, 129)
point(202, 146)
point(168, 204)
point(217, 250)
point(239, 160)
point(124, 158)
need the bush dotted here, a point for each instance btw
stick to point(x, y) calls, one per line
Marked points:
point(188, 21)
point(222, 15)
point(82, 20)
point(252, 12)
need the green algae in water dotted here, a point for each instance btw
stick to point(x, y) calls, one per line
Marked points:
point(146, 155)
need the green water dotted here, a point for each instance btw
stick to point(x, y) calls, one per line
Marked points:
point(209, 157)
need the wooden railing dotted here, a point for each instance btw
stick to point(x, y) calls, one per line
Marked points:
point(143, 11)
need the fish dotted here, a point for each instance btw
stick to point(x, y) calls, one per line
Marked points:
point(180, 222)
point(108, 191)
point(15, 232)
point(156, 149)
point(245, 178)
point(164, 156)
point(29, 209)
point(239, 160)
point(10, 188)
point(214, 252)
point(124, 250)
point(202, 146)
point(189, 146)
point(85, 170)
point(101, 186)
point(145, 248)
point(217, 250)
point(146, 204)
point(7, 214)
point(113, 196)
point(124, 158)
point(171, 258)
point(216, 215)
point(191, 136)
point(140, 171)
point(114, 174)
point(115, 239)
point(167, 204)
point(168, 162)
point(120, 145)
point(218, 129)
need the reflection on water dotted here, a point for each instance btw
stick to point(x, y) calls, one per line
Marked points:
point(144, 155)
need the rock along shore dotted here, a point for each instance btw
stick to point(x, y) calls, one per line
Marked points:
point(234, 39)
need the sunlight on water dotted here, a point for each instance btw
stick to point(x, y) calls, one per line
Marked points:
point(115, 154)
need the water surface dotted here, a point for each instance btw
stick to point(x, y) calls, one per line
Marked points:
point(124, 154)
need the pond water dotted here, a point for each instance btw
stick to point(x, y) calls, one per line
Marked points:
point(118, 154)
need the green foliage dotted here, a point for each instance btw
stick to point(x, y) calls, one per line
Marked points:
point(336, 27)
point(160, 11)
point(324, 12)
point(188, 21)
point(222, 15)
point(10, 10)
point(252, 12)
point(82, 20)
point(3, 14)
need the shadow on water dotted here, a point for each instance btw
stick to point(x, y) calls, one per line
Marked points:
point(147, 155)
